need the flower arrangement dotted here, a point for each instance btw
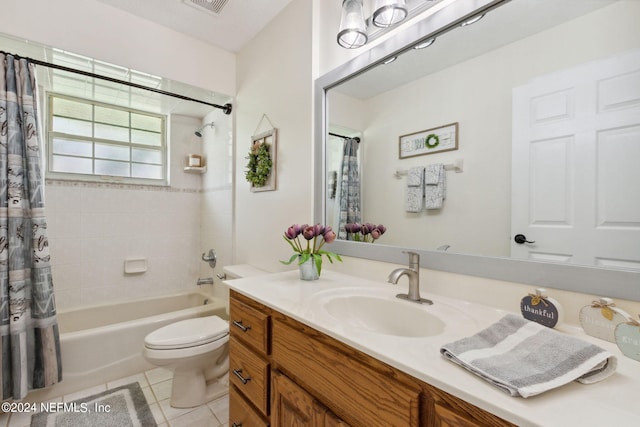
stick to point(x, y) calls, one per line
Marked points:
point(364, 232)
point(316, 236)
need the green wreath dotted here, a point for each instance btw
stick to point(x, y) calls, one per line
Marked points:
point(434, 137)
point(259, 166)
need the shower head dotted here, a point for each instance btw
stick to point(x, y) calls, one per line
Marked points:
point(200, 130)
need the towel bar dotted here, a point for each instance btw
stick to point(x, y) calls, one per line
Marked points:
point(456, 166)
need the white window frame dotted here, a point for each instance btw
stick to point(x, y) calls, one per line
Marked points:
point(68, 176)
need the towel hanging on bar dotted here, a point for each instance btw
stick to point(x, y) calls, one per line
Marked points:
point(435, 187)
point(415, 189)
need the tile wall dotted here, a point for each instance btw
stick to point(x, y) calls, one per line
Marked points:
point(94, 228)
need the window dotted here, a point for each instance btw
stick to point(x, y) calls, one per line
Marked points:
point(90, 140)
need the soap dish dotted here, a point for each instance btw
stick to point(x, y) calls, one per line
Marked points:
point(135, 265)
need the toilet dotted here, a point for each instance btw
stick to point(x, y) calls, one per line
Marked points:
point(197, 350)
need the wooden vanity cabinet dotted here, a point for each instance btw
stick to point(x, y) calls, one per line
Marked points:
point(249, 362)
point(317, 381)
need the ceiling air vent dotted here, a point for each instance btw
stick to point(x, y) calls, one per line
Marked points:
point(210, 6)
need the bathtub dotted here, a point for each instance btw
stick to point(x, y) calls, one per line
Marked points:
point(102, 343)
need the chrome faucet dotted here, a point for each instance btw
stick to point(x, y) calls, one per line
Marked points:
point(413, 273)
point(205, 281)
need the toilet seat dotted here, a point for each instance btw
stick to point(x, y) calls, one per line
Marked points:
point(188, 333)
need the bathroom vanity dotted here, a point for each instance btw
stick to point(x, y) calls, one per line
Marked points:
point(284, 372)
point(291, 362)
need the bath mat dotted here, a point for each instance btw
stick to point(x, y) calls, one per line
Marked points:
point(123, 406)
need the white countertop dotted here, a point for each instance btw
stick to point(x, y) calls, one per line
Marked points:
point(612, 402)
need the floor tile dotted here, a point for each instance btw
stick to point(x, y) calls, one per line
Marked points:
point(162, 390)
point(220, 407)
point(84, 393)
point(158, 375)
point(140, 378)
point(170, 412)
point(201, 417)
point(157, 414)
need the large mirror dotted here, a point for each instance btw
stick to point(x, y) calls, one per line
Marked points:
point(546, 98)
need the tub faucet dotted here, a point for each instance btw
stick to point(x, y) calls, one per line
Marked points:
point(413, 273)
point(205, 281)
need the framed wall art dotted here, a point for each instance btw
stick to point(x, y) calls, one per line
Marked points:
point(430, 141)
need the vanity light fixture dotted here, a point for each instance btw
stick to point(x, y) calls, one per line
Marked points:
point(425, 44)
point(353, 29)
point(389, 12)
point(472, 20)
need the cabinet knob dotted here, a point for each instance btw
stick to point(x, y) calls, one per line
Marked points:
point(236, 425)
point(238, 324)
point(238, 373)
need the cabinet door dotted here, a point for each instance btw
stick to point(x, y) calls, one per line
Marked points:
point(292, 406)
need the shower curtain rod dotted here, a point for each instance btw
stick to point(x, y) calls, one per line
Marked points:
point(345, 137)
point(226, 108)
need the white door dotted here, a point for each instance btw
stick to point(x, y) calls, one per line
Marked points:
point(576, 165)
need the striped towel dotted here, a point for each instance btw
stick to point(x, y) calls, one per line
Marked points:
point(523, 358)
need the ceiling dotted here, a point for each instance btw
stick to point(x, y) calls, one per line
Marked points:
point(236, 24)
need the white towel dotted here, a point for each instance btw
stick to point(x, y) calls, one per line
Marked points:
point(415, 189)
point(524, 358)
point(435, 186)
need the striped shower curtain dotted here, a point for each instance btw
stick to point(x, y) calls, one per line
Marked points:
point(29, 341)
point(348, 188)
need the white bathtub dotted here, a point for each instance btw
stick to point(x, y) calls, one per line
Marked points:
point(102, 343)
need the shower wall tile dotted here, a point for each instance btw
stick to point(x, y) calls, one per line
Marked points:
point(94, 227)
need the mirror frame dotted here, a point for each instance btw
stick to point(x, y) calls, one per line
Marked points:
point(623, 284)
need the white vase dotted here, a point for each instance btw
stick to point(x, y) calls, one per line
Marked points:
point(308, 270)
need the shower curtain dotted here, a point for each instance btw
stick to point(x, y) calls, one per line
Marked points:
point(29, 341)
point(349, 187)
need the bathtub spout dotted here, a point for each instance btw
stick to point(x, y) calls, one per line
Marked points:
point(205, 281)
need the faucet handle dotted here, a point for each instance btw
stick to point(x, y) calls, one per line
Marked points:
point(414, 259)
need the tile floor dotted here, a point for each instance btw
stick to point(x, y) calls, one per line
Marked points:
point(156, 385)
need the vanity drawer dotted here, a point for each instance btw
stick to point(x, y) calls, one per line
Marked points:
point(250, 374)
point(242, 413)
point(249, 325)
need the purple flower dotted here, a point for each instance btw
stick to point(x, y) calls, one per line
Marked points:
point(318, 230)
point(381, 228)
point(329, 236)
point(366, 229)
point(352, 227)
point(375, 234)
point(308, 232)
point(292, 232)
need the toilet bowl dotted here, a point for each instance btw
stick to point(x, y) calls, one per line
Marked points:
point(197, 352)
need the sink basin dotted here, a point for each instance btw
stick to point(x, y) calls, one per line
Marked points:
point(385, 316)
point(377, 310)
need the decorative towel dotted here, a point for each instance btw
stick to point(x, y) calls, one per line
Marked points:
point(524, 358)
point(435, 186)
point(415, 189)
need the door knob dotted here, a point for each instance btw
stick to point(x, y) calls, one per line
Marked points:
point(521, 238)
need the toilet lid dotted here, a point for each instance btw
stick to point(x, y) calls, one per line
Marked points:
point(188, 333)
